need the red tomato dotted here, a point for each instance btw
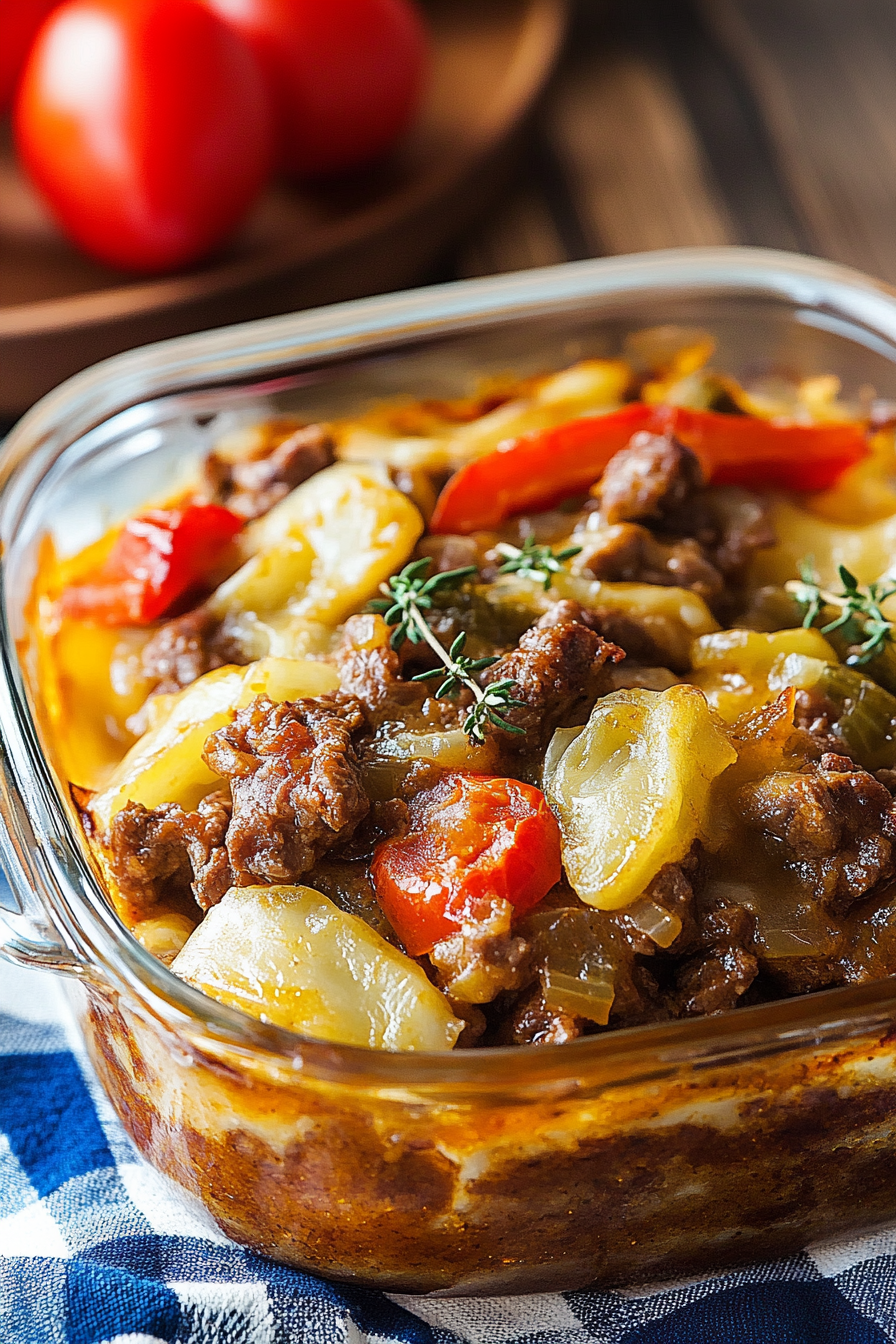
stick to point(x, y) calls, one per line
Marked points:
point(472, 838)
point(19, 22)
point(346, 76)
point(156, 559)
point(146, 126)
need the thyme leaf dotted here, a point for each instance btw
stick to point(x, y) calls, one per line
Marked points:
point(860, 616)
point(533, 561)
point(406, 599)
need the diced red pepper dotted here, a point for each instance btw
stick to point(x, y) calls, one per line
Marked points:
point(472, 838)
point(156, 559)
point(539, 469)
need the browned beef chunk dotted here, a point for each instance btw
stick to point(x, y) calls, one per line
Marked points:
point(252, 486)
point(148, 855)
point(629, 553)
point(565, 610)
point(186, 648)
point(370, 670)
point(295, 781)
point(157, 855)
point(652, 477)
point(743, 525)
point(714, 981)
point(556, 671)
point(719, 967)
point(657, 523)
point(613, 626)
point(484, 958)
point(205, 832)
point(451, 552)
point(834, 823)
point(534, 1023)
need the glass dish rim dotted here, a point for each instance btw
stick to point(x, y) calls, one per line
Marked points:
point(40, 841)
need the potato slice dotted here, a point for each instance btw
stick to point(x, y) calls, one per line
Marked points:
point(867, 550)
point(733, 667)
point(166, 765)
point(289, 956)
point(591, 387)
point(317, 556)
point(632, 790)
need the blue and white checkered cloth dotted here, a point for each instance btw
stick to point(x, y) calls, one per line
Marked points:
point(95, 1249)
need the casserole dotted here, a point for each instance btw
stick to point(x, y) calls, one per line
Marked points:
point(643, 1154)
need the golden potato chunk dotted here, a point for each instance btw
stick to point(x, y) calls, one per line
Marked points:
point(289, 956)
point(632, 790)
point(316, 557)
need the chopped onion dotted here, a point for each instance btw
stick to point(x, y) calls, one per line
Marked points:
point(651, 919)
point(591, 997)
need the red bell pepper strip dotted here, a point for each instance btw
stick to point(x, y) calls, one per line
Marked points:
point(472, 838)
point(156, 559)
point(539, 469)
point(744, 450)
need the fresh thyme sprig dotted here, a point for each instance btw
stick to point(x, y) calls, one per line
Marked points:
point(533, 561)
point(861, 619)
point(408, 596)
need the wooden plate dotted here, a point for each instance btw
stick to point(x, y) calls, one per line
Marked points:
point(59, 311)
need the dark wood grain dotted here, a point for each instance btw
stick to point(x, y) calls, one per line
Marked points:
point(766, 122)
point(823, 74)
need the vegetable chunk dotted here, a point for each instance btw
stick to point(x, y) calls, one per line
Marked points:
point(473, 840)
point(316, 557)
point(166, 765)
point(289, 956)
point(632, 790)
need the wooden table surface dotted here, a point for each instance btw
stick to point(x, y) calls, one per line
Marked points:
point(687, 122)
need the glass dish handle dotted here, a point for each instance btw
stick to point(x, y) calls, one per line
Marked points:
point(28, 935)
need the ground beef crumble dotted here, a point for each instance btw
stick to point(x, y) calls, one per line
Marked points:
point(556, 670)
point(295, 781)
point(654, 521)
point(250, 486)
point(835, 823)
point(185, 648)
point(161, 853)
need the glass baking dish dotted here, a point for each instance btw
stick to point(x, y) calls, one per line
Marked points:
point(640, 1154)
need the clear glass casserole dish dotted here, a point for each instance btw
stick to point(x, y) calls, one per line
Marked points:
point(644, 1153)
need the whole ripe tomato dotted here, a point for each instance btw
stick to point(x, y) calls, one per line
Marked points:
point(346, 76)
point(19, 22)
point(146, 126)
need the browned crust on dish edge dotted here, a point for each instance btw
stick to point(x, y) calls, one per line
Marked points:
point(630, 1185)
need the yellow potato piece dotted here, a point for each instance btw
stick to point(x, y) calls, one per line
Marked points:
point(632, 791)
point(323, 551)
point(289, 956)
point(166, 765)
point(591, 387)
point(867, 551)
point(864, 493)
point(733, 667)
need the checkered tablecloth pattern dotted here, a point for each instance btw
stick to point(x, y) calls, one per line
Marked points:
point(95, 1247)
